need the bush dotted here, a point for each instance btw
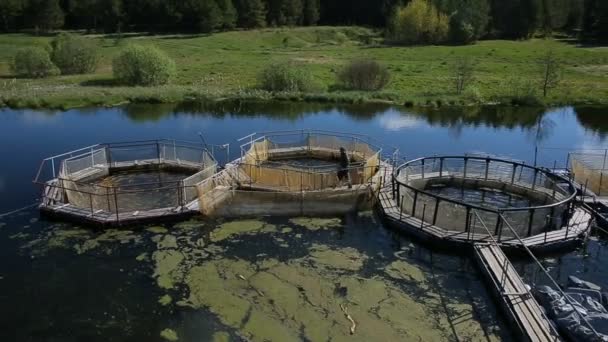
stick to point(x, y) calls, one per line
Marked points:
point(417, 23)
point(33, 62)
point(73, 54)
point(364, 75)
point(145, 66)
point(284, 77)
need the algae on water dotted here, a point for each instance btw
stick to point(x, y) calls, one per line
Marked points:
point(166, 269)
point(316, 223)
point(235, 228)
point(169, 335)
point(157, 230)
point(220, 336)
point(165, 300)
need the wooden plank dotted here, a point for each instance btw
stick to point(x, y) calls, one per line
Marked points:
point(527, 312)
point(520, 287)
point(521, 315)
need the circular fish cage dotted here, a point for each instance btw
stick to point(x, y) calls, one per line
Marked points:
point(300, 172)
point(308, 161)
point(469, 199)
point(129, 182)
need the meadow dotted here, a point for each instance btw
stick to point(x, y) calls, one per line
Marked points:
point(226, 65)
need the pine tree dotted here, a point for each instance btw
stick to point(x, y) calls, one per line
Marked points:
point(10, 10)
point(229, 15)
point(292, 11)
point(46, 15)
point(252, 13)
point(311, 12)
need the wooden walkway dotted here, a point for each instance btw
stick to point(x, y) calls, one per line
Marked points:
point(515, 298)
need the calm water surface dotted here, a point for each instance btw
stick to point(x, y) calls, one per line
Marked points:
point(59, 282)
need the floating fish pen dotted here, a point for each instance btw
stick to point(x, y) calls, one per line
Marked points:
point(296, 173)
point(125, 183)
point(458, 200)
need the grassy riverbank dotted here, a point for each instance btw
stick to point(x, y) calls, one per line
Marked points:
point(225, 65)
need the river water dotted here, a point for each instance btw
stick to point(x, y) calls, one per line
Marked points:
point(262, 278)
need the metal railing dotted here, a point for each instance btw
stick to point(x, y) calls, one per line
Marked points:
point(504, 268)
point(73, 177)
point(551, 280)
point(455, 215)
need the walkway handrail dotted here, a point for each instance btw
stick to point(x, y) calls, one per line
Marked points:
point(495, 243)
point(544, 270)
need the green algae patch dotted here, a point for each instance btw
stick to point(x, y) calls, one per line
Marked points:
point(405, 271)
point(167, 241)
point(235, 228)
point(142, 257)
point(109, 236)
point(220, 336)
point(20, 236)
point(288, 301)
point(166, 270)
point(165, 300)
point(169, 335)
point(157, 230)
point(315, 224)
point(286, 230)
point(343, 259)
point(219, 287)
point(189, 225)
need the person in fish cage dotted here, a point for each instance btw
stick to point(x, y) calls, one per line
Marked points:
point(343, 174)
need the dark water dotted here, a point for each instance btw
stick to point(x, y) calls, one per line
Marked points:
point(52, 288)
point(489, 198)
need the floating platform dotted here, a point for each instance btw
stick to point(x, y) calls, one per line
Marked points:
point(126, 183)
point(557, 224)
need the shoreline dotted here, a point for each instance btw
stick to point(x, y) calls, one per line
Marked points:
point(118, 96)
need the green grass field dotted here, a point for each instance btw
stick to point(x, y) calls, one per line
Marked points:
point(225, 65)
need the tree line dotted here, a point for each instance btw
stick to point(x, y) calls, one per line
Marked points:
point(462, 20)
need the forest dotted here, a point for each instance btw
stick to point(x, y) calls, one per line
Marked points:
point(463, 21)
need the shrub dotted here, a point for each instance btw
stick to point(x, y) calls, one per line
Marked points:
point(33, 62)
point(145, 66)
point(73, 54)
point(284, 77)
point(364, 75)
point(418, 22)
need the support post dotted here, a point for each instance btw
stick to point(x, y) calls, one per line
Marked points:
point(414, 204)
point(116, 205)
point(158, 152)
point(514, 172)
point(91, 203)
point(466, 161)
point(436, 210)
point(422, 219)
point(534, 180)
point(530, 222)
point(467, 225)
point(401, 209)
point(440, 167)
point(487, 168)
point(423, 168)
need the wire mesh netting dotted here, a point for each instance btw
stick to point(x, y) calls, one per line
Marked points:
point(590, 170)
point(264, 161)
point(161, 174)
